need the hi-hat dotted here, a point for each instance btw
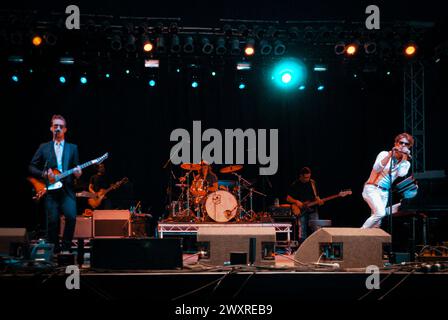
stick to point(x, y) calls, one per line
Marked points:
point(231, 169)
point(190, 166)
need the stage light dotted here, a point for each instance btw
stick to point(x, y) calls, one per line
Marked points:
point(175, 44)
point(249, 50)
point(177, 70)
point(130, 43)
point(213, 73)
point(115, 42)
point(188, 46)
point(15, 78)
point(370, 47)
point(62, 79)
point(147, 47)
point(286, 77)
point(83, 80)
point(194, 84)
point(36, 40)
point(265, 47)
point(241, 86)
point(127, 71)
point(15, 59)
point(289, 73)
point(240, 66)
point(320, 68)
point(67, 60)
point(160, 45)
point(207, 47)
point(320, 87)
point(339, 48)
point(388, 73)
point(50, 39)
point(351, 49)
point(302, 87)
point(279, 48)
point(152, 63)
point(235, 47)
point(107, 75)
point(410, 49)
point(152, 83)
point(221, 46)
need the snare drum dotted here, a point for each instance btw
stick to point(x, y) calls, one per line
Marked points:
point(221, 206)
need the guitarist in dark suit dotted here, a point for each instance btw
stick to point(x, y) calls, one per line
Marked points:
point(61, 155)
point(302, 190)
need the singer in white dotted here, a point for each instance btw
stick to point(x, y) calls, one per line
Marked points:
point(389, 165)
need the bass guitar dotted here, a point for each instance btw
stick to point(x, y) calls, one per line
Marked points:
point(296, 210)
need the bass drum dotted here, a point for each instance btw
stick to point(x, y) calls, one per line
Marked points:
point(221, 206)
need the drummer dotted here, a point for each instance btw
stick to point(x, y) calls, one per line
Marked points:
point(207, 176)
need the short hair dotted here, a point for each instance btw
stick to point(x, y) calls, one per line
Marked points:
point(407, 136)
point(58, 117)
point(304, 170)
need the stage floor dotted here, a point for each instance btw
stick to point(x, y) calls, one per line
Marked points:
point(279, 286)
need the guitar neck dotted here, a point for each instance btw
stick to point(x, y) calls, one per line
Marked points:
point(69, 172)
point(312, 203)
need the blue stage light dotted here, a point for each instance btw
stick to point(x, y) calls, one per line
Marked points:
point(194, 84)
point(15, 78)
point(62, 79)
point(289, 73)
point(302, 87)
point(242, 86)
point(83, 80)
point(321, 87)
point(107, 75)
point(152, 83)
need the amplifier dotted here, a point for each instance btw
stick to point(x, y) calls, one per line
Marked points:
point(283, 210)
point(111, 223)
point(83, 228)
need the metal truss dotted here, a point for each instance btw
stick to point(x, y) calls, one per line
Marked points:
point(414, 111)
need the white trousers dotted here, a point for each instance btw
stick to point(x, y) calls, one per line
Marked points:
point(376, 198)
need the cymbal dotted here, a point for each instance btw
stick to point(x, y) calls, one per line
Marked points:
point(230, 169)
point(190, 166)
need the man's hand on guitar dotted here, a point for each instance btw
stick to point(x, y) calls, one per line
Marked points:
point(319, 201)
point(77, 172)
point(50, 175)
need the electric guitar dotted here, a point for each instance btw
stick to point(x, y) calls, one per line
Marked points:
point(42, 186)
point(296, 210)
point(95, 202)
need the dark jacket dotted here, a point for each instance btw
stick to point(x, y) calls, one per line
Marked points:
point(45, 158)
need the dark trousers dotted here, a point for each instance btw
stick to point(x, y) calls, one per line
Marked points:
point(58, 201)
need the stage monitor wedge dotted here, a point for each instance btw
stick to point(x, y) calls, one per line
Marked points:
point(349, 247)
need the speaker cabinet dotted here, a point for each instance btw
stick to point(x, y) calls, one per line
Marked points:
point(142, 253)
point(111, 223)
point(9, 237)
point(83, 228)
point(350, 247)
point(218, 242)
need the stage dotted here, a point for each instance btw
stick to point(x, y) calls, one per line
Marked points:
point(197, 284)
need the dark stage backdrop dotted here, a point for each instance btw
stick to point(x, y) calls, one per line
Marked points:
point(337, 132)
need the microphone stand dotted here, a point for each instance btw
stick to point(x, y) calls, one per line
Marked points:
point(391, 253)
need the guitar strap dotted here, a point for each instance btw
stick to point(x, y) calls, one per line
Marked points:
point(313, 185)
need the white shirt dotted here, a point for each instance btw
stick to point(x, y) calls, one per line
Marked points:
point(380, 173)
point(59, 149)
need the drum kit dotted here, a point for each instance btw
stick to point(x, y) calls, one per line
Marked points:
point(200, 202)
